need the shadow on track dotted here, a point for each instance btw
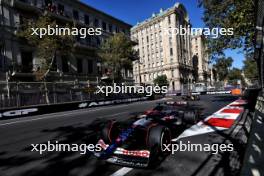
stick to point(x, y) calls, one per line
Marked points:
point(27, 163)
point(225, 163)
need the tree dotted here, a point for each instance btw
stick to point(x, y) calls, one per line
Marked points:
point(234, 75)
point(161, 81)
point(117, 53)
point(239, 15)
point(222, 67)
point(250, 69)
point(48, 46)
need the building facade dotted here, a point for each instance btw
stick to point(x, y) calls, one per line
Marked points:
point(202, 72)
point(20, 60)
point(162, 53)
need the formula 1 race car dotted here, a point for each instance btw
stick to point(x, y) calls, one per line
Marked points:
point(182, 112)
point(139, 142)
point(191, 97)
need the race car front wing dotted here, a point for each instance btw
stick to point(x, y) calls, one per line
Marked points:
point(121, 156)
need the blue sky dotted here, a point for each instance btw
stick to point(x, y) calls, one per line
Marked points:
point(133, 11)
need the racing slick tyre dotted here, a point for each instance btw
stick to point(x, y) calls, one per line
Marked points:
point(158, 136)
point(110, 132)
point(191, 117)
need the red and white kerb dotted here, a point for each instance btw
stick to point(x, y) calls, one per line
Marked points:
point(221, 120)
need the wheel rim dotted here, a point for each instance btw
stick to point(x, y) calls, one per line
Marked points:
point(165, 138)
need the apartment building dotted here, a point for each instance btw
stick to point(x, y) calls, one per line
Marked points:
point(162, 53)
point(20, 60)
point(202, 72)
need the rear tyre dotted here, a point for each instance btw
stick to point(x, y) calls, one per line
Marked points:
point(190, 117)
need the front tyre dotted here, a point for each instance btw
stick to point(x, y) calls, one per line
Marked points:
point(110, 132)
point(158, 136)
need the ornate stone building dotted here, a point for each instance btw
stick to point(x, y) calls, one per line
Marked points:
point(200, 59)
point(162, 53)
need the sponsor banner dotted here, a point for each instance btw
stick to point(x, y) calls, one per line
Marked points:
point(218, 92)
point(201, 93)
point(45, 109)
point(18, 112)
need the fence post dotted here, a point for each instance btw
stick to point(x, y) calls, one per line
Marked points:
point(89, 94)
point(18, 95)
point(54, 93)
point(81, 95)
point(3, 104)
point(71, 94)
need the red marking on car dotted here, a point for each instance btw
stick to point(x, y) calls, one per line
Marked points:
point(151, 112)
point(102, 144)
point(141, 153)
point(118, 139)
point(168, 117)
point(217, 122)
point(137, 153)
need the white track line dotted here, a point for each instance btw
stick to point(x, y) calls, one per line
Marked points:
point(121, 172)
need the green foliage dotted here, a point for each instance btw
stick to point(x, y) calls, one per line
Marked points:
point(250, 69)
point(161, 80)
point(239, 15)
point(47, 46)
point(117, 53)
point(222, 67)
point(235, 74)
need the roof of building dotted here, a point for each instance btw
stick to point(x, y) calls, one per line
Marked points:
point(164, 12)
point(99, 11)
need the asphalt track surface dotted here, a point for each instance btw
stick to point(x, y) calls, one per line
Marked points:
point(82, 126)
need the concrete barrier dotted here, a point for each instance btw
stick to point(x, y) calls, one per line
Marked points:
point(201, 93)
point(45, 109)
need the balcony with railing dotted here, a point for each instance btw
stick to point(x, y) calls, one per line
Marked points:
point(29, 5)
point(134, 39)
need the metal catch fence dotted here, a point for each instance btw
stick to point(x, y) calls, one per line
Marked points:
point(20, 94)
